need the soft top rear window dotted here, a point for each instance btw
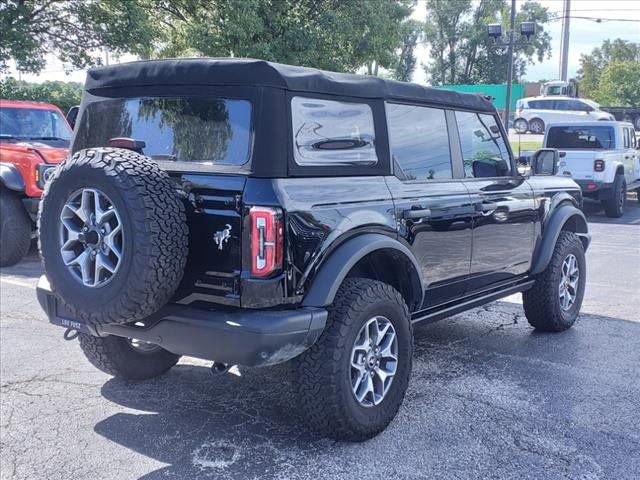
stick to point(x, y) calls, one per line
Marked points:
point(581, 137)
point(203, 130)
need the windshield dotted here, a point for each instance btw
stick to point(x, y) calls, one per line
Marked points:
point(47, 126)
point(581, 138)
point(204, 130)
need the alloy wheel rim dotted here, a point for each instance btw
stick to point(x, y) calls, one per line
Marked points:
point(374, 361)
point(91, 237)
point(568, 288)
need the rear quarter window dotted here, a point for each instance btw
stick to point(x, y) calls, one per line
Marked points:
point(330, 132)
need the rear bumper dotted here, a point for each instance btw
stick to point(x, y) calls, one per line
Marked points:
point(595, 189)
point(238, 337)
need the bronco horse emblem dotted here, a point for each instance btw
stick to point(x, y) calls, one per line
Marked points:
point(221, 237)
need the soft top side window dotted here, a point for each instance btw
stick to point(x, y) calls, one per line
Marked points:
point(330, 132)
point(484, 151)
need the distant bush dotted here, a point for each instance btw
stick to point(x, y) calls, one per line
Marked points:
point(62, 94)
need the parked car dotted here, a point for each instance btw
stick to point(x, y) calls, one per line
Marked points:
point(252, 213)
point(34, 138)
point(602, 157)
point(533, 114)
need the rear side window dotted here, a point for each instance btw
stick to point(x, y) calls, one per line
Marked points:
point(582, 138)
point(484, 151)
point(209, 131)
point(419, 142)
point(329, 132)
point(541, 104)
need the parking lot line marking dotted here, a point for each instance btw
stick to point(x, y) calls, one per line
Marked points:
point(18, 283)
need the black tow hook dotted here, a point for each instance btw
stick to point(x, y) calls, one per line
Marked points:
point(70, 334)
point(218, 368)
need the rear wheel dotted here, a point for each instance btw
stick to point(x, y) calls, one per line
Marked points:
point(536, 126)
point(353, 380)
point(520, 125)
point(15, 229)
point(127, 358)
point(554, 301)
point(614, 206)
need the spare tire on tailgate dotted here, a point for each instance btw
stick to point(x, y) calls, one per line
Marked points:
point(113, 235)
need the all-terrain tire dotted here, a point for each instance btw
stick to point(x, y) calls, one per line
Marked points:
point(323, 373)
point(614, 206)
point(154, 235)
point(15, 229)
point(541, 302)
point(118, 357)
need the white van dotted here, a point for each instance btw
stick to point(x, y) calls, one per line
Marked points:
point(533, 114)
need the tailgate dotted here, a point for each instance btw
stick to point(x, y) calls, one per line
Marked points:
point(214, 215)
point(579, 164)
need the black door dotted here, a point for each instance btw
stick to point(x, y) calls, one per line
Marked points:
point(504, 209)
point(433, 210)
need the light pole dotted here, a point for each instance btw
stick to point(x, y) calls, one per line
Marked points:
point(494, 30)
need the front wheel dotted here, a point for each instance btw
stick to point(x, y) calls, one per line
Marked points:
point(126, 358)
point(521, 125)
point(15, 229)
point(353, 380)
point(614, 206)
point(554, 301)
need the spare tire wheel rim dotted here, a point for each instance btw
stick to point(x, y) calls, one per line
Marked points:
point(374, 361)
point(91, 237)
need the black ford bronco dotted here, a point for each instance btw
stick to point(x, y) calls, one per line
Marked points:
point(252, 213)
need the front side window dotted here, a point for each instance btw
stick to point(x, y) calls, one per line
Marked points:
point(484, 151)
point(419, 142)
point(581, 138)
point(329, 132)
point(205, 130)
point(45, 126)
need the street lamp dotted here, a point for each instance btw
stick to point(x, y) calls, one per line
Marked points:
point(494, 30)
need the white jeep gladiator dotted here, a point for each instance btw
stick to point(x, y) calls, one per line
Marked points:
point(601, 156)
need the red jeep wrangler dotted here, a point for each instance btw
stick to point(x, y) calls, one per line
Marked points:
point(34, 137)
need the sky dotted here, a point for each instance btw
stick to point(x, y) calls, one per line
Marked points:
point(585, 36)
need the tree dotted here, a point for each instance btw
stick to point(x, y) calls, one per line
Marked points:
point(341, 35)
point(592, 65)
point(405, 63)
point(462, 52)
point(73, 30)
point(62, 94)
point(619, 84)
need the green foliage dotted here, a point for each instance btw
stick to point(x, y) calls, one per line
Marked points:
point(463, 53)
point(73, 30)
point(592, 65)
point(405, 64)
point(619, 85)
point(62, 94)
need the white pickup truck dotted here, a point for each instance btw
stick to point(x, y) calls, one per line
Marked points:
point(603, 157)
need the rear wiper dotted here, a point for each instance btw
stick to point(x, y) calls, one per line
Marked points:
point(164, 157)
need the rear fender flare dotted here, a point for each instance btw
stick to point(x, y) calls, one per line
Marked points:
point(339, 263)
point(565, 215)
point(11, 178)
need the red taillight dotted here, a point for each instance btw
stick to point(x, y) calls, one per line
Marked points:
point(598, 165)
point(266, 240)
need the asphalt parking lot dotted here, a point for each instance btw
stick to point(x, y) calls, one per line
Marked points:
point(489, 398)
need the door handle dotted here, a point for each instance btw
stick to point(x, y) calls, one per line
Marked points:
point(416, 213)
point(486, 206)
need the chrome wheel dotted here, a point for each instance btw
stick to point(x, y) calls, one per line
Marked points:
point(91, 237)
point(568, 289)
point(374, 361)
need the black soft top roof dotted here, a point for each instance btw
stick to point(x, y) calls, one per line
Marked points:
point(249, 72)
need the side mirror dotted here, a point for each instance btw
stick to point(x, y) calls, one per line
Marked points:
point(72, 116)
point(589, 109)
point(545, 162)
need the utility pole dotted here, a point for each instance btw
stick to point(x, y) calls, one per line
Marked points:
point(507, 109)
point(564, 45)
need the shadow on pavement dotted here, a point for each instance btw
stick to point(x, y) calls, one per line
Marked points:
point(482, 383)
point(595, 213)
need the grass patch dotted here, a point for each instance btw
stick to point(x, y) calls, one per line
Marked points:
point(517, 146)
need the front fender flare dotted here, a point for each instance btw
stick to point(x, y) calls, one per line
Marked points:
point(551, 232)
point(337, 266)
point(11, 178)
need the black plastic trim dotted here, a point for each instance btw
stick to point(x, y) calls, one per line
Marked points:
point(11, 178)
